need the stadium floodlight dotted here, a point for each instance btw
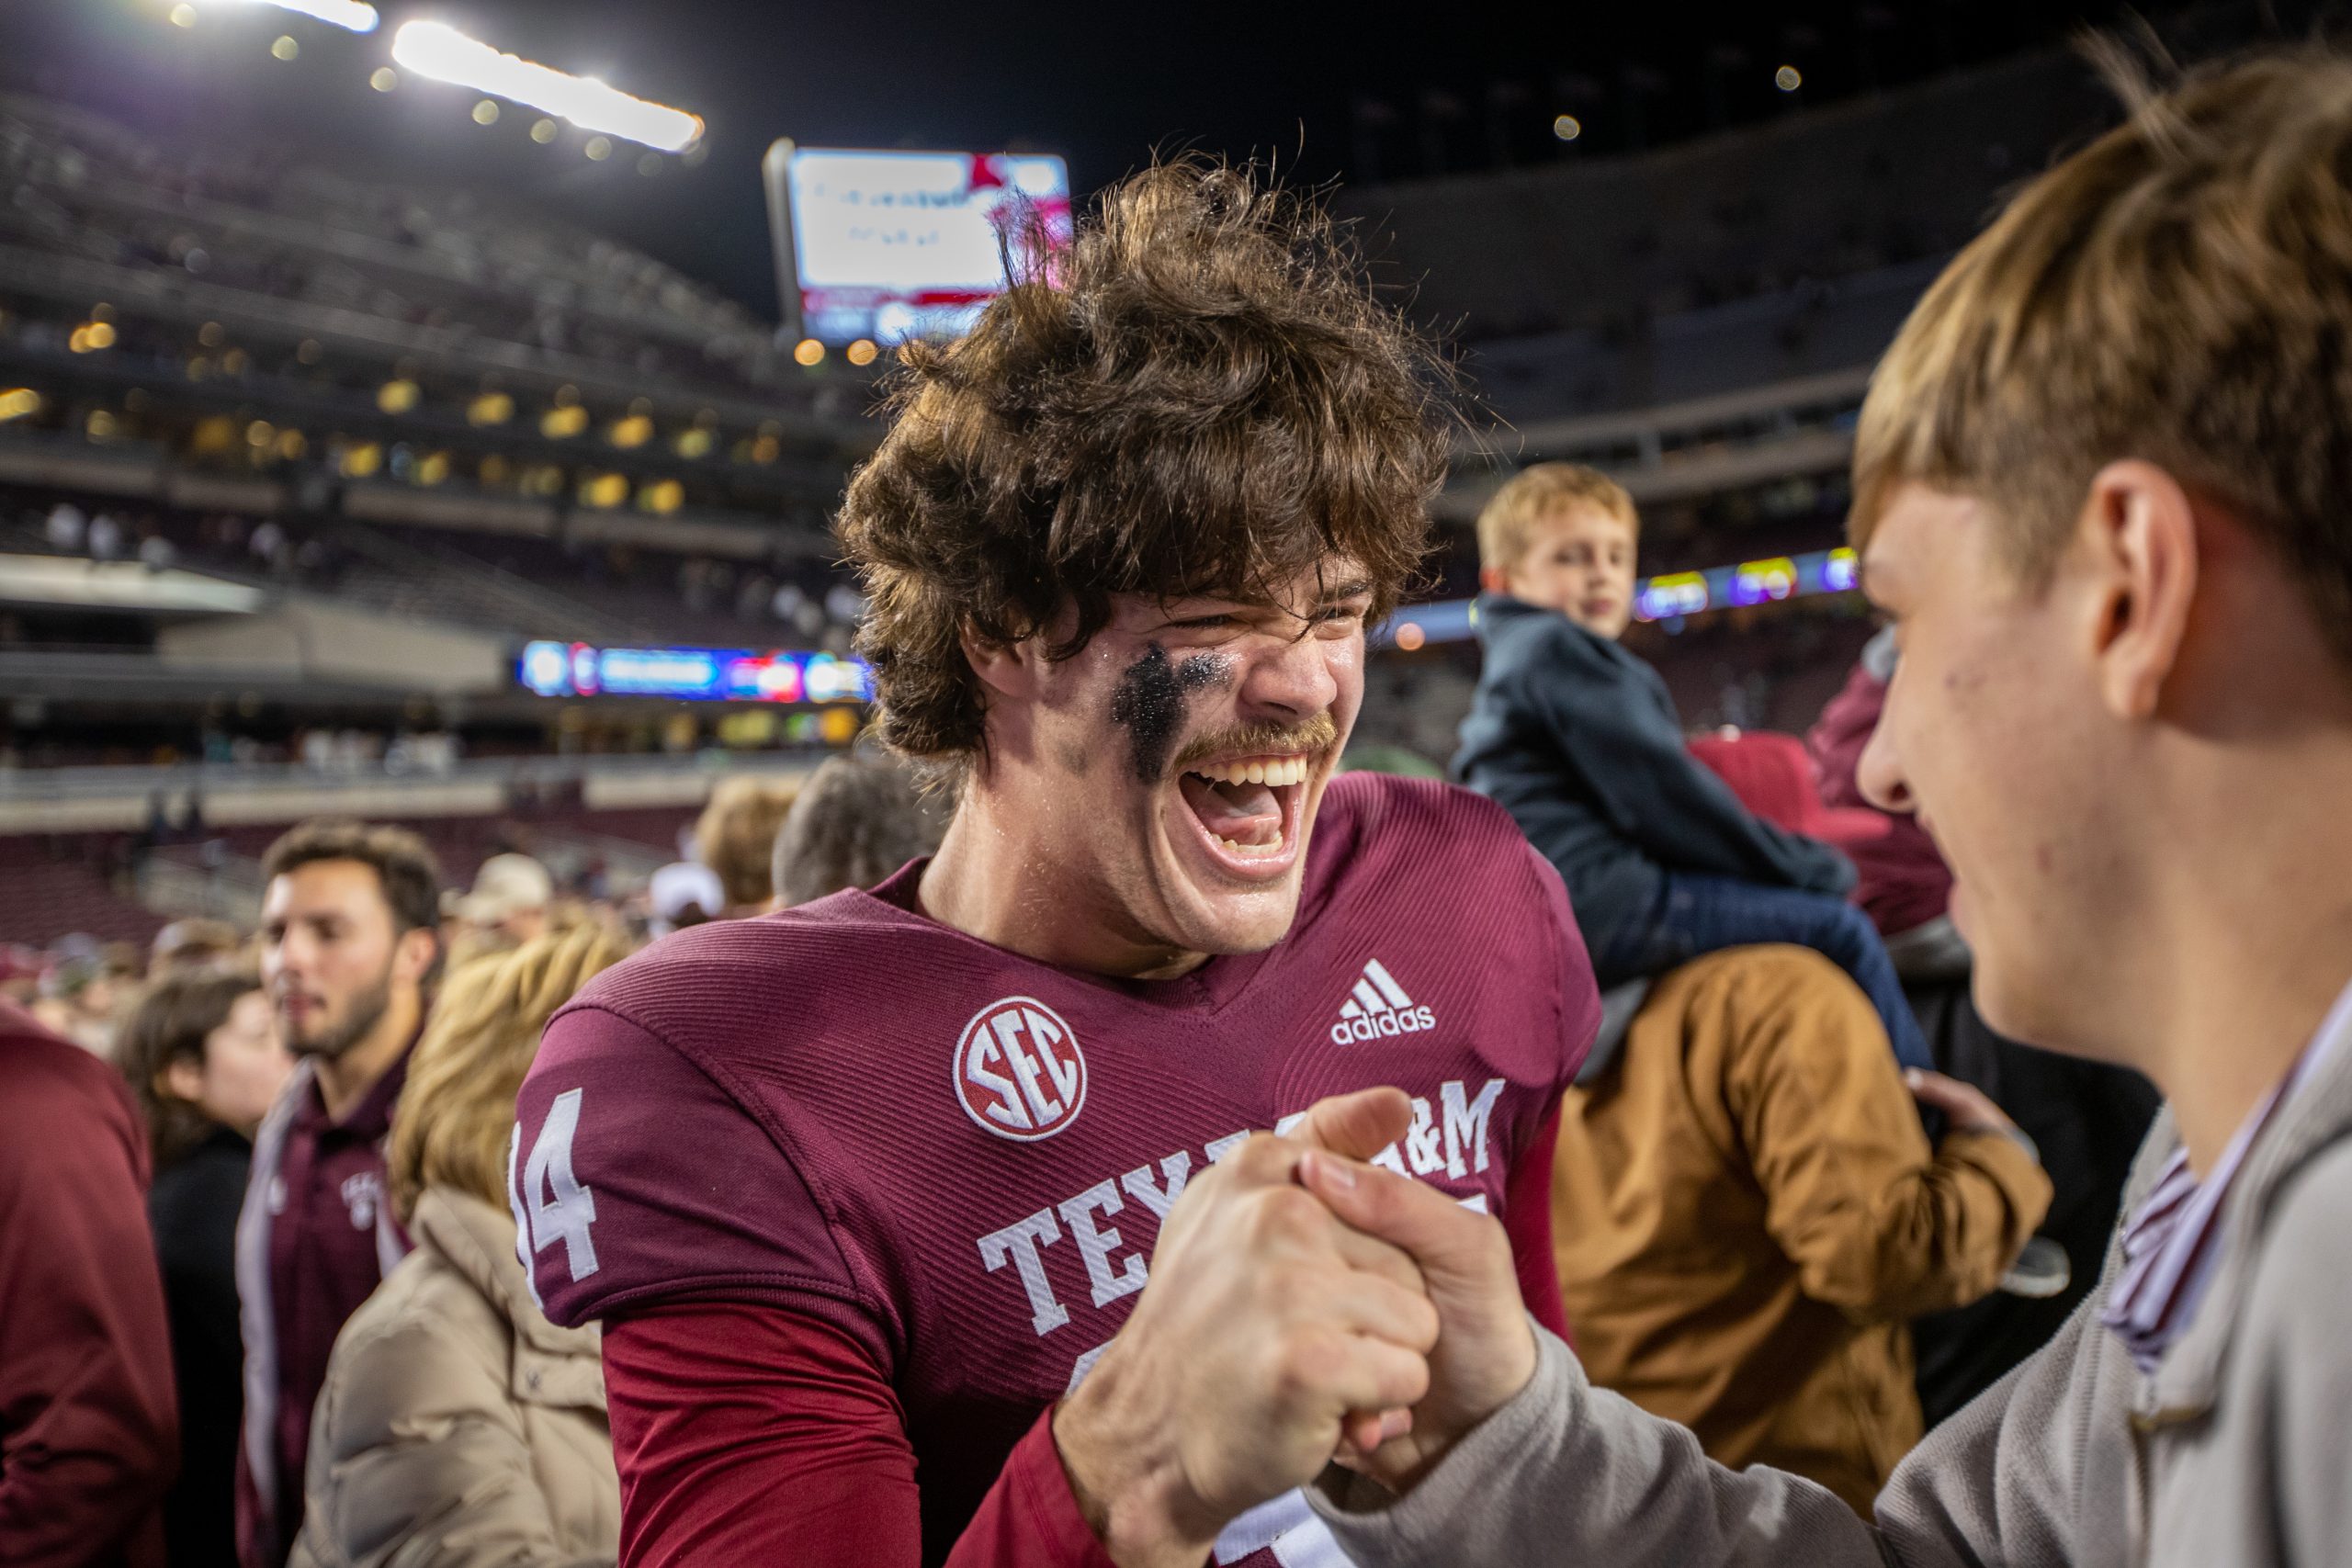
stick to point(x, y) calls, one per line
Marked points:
point(354, 15)
point(442, 52)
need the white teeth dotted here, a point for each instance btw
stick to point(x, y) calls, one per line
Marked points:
point(1249, 852)
point(1283, 771)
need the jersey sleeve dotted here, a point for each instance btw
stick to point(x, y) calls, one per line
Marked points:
point(748, 1434)
point(637, 1179)
point(1527, 1220)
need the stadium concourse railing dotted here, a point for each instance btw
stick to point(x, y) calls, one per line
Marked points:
point(124, 799)
point(1804, 425)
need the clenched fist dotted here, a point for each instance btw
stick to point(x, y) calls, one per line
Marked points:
point(1270, 1333)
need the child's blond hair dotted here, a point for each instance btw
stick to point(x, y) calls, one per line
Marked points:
point(1508, 525)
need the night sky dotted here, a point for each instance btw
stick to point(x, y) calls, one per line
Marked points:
point(1331, 92)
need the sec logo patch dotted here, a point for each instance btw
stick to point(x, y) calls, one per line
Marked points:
point(1018, 1070)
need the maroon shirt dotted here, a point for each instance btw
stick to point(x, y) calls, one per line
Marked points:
point(325, 1256)
point(956, 1158)
point(89, 1435)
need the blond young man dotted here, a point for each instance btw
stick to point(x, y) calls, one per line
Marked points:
point(1578, 739)
point(2101, 481)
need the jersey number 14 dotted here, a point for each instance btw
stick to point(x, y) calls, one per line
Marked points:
point(550, 1203)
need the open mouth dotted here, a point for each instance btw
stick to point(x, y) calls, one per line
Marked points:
point(1248, 808)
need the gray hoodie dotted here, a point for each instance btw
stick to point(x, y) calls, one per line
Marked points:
point(2235, 1452)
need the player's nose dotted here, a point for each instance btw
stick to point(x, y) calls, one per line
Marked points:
point(1290, 682)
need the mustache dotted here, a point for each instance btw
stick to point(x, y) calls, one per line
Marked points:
point(1317, 733)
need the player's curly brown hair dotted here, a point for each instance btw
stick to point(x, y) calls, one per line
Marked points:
point(1201, 395)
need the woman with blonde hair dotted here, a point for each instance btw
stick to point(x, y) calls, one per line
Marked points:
point(457, 1426)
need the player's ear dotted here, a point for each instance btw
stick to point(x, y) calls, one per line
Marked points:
point(1007, 668)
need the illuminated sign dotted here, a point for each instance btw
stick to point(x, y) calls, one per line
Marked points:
point(696, 675)
point(1758, 581)
point(1679, 593)
point(886, 246)
point(1668, 598)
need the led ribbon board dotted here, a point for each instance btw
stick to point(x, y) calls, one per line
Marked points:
point(1667, 598)
point(695, 675)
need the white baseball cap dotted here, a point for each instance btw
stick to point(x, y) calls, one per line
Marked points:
point(504, 884)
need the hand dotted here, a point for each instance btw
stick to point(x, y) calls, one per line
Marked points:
point(1267, 1331)
point(1485, 1350)
point(1966, 1108)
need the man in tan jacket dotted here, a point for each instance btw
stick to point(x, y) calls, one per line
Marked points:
point(1747, 1216)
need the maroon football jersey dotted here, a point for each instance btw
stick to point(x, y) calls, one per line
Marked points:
point(961, 1156)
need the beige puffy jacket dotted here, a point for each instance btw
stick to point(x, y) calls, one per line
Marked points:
point(458, 1426)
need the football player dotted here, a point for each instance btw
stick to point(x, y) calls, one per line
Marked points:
point(861, 1190)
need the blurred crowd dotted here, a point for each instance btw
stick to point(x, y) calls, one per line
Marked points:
point(259, 1173)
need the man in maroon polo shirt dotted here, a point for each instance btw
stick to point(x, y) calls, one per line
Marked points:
point(349, 923)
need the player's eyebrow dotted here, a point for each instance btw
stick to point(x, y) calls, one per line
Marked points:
point(1354, 588)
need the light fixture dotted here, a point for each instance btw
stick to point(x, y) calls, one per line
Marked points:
point(486, 112)
point(490, 408)
point(1567, 127)
point(285, 48)
point(1788, 78)
point(442, 52)
point(352, 15)
point(563, 422)
point(383, 78)
point(18, 402)
point(861, 352)
point(603, 490)
point(809, 351)
point(398, 396)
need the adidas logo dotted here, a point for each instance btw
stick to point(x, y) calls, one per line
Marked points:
point(1379, 1006)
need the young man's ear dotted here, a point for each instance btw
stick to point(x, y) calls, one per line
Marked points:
point(2142, 532)
point(1494, 579)
point(1008, 670)
point(417, 948)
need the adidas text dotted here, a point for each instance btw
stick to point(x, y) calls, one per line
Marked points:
point(1402, 1021)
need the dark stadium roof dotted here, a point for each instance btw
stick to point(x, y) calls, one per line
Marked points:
point(1332, 89)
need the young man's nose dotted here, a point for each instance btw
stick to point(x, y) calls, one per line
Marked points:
point(1879, 772)
point(1290, 683)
